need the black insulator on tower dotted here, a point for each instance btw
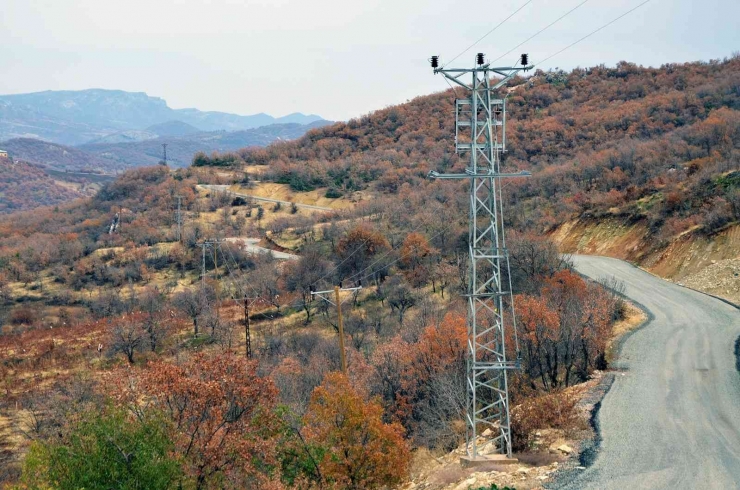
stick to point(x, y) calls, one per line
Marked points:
point(435, 61)
point(480, 58)
point(525, 59)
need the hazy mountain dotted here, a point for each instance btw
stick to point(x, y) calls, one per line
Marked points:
point(76, 117)
point(180, 151)
point(173, 128)
point(114, 153)
point(129, 136)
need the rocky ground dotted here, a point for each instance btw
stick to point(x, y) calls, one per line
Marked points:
point(720, 278)
point(553, 453)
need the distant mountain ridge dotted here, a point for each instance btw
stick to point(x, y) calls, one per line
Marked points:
point(82, 116)
point(116, 153)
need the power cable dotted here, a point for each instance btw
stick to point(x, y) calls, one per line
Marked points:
point(487, 33)
point(595, 31)
point(541, 30)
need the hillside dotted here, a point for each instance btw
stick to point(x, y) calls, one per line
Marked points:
point(130, 151)
point(56, 156)
point(652, 145)
point(76, 117)
point(24, 186)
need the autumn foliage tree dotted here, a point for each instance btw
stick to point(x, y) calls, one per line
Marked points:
point(222, 417)
point(360, 451)
point(417, 258)
point(358, 248)
point(565, 329)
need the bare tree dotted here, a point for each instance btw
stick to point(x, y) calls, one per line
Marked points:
point(358, 329)
point(193, 304)
point(400, 297)
point(303, 276)
point(151, 304)
point(127, 336)
point(265, 279)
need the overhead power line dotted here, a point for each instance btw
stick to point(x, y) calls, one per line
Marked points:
point(594, 32)
point(487, 33)
point(541, 30)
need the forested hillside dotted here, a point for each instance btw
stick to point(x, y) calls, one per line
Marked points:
point(102, 307)
point(654, 144)
point(24, 186)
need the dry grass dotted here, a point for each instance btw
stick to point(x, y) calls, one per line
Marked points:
point(633, 318)
point(283, 192)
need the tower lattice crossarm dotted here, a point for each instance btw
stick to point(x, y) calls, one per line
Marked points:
point(480, 131)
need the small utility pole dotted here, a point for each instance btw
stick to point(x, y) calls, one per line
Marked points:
point(203, 246)
point(338, 303)
point(215, 264)
point(341, 330)
point(247, 333)
point(179, 218)
point(164, 153)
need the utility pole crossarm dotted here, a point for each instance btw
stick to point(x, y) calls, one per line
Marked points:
point(506, 72)
point(467, 175)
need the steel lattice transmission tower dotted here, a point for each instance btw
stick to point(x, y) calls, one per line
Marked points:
point(480, 131)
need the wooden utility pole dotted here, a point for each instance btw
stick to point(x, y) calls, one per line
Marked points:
point(246, 327)
point(179, 218)
point(341, 330)
point(203, 269)
point(215, 264)
point(338, 303)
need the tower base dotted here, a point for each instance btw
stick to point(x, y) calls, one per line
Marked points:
point(472, 462)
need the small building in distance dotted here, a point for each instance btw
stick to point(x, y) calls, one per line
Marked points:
point(3, 154)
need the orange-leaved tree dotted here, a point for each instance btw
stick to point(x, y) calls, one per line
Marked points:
point(358, 249)
point(360, 451)
point(223, 418)
point(417, 258)
point(539, 332)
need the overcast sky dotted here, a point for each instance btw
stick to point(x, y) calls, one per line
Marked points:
point(336, 58)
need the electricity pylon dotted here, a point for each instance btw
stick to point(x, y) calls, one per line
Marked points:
point(480, 131)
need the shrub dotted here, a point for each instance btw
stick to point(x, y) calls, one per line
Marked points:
point(105, 450)
point(551, 411)
point(333, 193)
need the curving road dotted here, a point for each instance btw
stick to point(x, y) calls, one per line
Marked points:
point(673, 419)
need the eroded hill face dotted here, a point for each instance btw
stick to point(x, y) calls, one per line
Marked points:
point(708, 263)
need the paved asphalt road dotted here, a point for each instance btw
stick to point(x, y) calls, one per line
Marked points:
point(673, 419)
point(225, 188)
